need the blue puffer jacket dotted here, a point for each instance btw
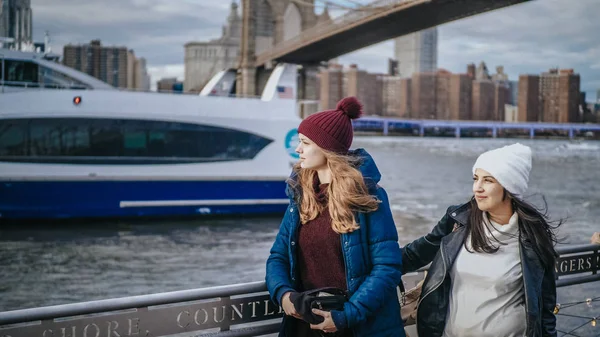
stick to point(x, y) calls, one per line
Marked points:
point(373, 264)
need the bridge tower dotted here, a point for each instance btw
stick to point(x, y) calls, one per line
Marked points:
point(266, 23)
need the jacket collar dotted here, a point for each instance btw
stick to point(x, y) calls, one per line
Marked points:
point(460, 213)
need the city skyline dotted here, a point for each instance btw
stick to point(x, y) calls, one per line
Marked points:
point(527, 38)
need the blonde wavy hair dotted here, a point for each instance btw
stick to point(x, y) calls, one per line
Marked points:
point(347, 193)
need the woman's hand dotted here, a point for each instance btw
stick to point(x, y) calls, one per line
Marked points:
point(327, 325)
point(596, 238)
point(288, 306)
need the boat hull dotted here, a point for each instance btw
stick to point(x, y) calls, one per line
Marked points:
point(105, 199)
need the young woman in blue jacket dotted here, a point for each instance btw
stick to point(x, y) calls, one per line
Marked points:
point(338, 231)
point(493, 258)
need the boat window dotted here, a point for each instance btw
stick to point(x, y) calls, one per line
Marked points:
point(13, 138)
point(20, 71)
point(52, 79)
point(124, 141)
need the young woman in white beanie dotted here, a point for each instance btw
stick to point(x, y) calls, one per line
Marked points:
point(492, 271)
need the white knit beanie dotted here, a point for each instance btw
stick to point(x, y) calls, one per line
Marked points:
point(509, 165)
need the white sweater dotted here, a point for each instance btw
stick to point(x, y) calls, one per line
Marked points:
point(487, 297)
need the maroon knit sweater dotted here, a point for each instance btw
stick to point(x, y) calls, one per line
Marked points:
point(320, 260)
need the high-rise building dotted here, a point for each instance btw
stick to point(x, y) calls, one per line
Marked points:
point(569, 96)
point(4, 19)
point(471, 70)
point(483, 97)
point(549, 96)
point(108, 64)
point(416, 52)
point(391, 95)
point(482, 73)
point(461, 90)
point(16, 23)
point(501, 99)
point(204, 59)
point(559, 96)
point(405, 97)
point(392, 67)
point(513, 87)
point(423, 102)
point(511, 113)
point(529, 98)
point(442, 94)
point(362, 85)
point(142, 78)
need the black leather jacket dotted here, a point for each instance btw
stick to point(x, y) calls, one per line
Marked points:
point(441, 247)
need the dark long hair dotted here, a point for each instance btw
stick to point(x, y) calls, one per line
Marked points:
point(534, 227)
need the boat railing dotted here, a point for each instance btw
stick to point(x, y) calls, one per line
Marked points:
point(231, 310)
point(45, 86)
point(39, 85)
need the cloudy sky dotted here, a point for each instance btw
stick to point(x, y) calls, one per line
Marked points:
point(526, 38)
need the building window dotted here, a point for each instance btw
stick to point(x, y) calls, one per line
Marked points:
point(123, 141)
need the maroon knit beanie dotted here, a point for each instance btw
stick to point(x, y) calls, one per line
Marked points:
point(332, 129)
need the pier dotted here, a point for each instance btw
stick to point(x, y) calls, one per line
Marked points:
point(235, 310)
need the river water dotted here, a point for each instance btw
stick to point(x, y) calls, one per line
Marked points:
point(49, 264)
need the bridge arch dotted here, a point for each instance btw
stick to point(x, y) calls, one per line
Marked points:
point(265, 26)
point(292, 22)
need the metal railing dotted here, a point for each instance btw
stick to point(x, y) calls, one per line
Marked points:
point(42, 86)
point(232, 310)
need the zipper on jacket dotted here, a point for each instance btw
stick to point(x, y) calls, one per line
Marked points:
point(524, 287)
point(345, 263)
point(443, 278)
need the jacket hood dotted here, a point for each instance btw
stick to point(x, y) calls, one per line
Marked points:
point(367, 167)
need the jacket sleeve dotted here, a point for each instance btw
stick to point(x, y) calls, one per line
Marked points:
point(421, 252)
point(379, 286)
point(278, 264)
point(549, 303)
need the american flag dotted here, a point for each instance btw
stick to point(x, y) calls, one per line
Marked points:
point(285, 92)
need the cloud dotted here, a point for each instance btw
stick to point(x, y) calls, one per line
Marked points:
point(526, 38)
point(154, 29)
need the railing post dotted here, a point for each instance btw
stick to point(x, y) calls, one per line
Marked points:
point(385, 127)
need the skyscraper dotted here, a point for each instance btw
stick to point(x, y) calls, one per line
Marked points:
point(559, 96)
point(3, 19)
point(529, 98)
point(16, 23)
point(416, 52)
